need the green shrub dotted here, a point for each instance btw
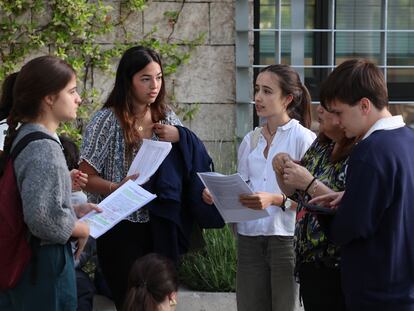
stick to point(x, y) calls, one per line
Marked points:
point(213, 268)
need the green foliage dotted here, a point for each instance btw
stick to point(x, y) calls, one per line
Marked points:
point(172, 16)
point(214, 268)
point(74, 30)
point(188, 112)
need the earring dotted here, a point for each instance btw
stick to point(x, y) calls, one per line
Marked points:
point(173, 302)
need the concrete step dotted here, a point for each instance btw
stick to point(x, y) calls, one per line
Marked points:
point(187, 301)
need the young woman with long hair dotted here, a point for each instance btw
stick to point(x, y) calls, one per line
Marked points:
point(37, 99)
point(265, 278)
point(134, 110)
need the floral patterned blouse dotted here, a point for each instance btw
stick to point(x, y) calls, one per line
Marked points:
point(103, 148)
point(311, 244)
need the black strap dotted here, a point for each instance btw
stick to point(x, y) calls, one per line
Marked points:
point(27, 139)
point(34, 242)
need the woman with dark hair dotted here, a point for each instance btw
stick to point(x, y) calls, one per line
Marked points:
point(152, 285)
point(41, 96)
point(265, 246)
point(322, 170)
point(134, 110)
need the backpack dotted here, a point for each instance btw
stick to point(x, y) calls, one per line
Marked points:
point(254, 138)
point(15, 250)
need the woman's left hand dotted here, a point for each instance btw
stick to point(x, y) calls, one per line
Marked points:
point(83, 209)
point(167, 132)
point(258, 200)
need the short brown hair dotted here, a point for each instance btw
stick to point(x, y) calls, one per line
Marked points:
point(352, 80)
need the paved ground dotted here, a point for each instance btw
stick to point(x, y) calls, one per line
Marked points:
point(187, 301)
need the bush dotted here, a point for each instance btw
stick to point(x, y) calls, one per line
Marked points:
point(213, 268)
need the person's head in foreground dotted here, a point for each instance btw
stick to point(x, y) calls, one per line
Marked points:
point(152, 284)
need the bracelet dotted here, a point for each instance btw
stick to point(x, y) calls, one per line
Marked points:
point(315, 186)
point(284, 199)
point(110, 187)
point(310, 184)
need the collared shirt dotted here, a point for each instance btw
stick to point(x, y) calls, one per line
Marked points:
point(388, 123)
point(291, 138)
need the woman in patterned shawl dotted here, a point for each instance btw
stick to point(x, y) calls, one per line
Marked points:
point(134, 110)
point(321, 170)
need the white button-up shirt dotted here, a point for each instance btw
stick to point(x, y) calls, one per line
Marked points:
point(291, 138)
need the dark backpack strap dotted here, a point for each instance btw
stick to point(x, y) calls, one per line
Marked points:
point(27, 139)
point(34, 242)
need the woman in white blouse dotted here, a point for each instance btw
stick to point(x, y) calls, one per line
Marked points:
point(265, 279)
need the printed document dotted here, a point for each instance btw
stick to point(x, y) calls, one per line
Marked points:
point(226, 190)
point(119, 204)
point(148, 159)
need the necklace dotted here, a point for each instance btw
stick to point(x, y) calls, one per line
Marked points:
point(140, 128)
point(268, 129)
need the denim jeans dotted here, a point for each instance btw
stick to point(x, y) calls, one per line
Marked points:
point(265, 279)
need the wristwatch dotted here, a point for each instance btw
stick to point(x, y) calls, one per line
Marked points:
point(286, 203)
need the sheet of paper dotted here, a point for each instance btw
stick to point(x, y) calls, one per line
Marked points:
point(119, 204)
point(225, 190)
point(148, 159)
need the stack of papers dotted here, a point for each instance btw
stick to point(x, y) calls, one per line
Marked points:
point(226, 191)
point(148, 159)
point(130, 196)
point(119, 204)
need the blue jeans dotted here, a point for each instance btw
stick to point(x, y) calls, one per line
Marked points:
point(265, 279)
point(54, 287)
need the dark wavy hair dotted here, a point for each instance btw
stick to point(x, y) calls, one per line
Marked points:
point(151, 279)
point(120, 99)
point(23, 92)
point(290, 84)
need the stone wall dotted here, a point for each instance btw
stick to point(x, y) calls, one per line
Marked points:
point(209, 77)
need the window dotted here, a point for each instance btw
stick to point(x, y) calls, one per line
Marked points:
point(314, 36)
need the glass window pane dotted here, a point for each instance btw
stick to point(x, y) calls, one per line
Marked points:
point(302, 45)
point(400, 84)
point(400, 14)
point(267, 45)
point(400, 49)
point(313, 78)
point(360, 44)
point(307, 22)
point(268, 15)
point(357, 14)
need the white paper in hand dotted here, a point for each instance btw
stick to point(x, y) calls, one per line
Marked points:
point(148, 159)
point(226, 191)
point(119, 204)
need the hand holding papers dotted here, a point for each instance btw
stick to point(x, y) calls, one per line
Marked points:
point(148, 159)
point(119, 204)
point(226, 191)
